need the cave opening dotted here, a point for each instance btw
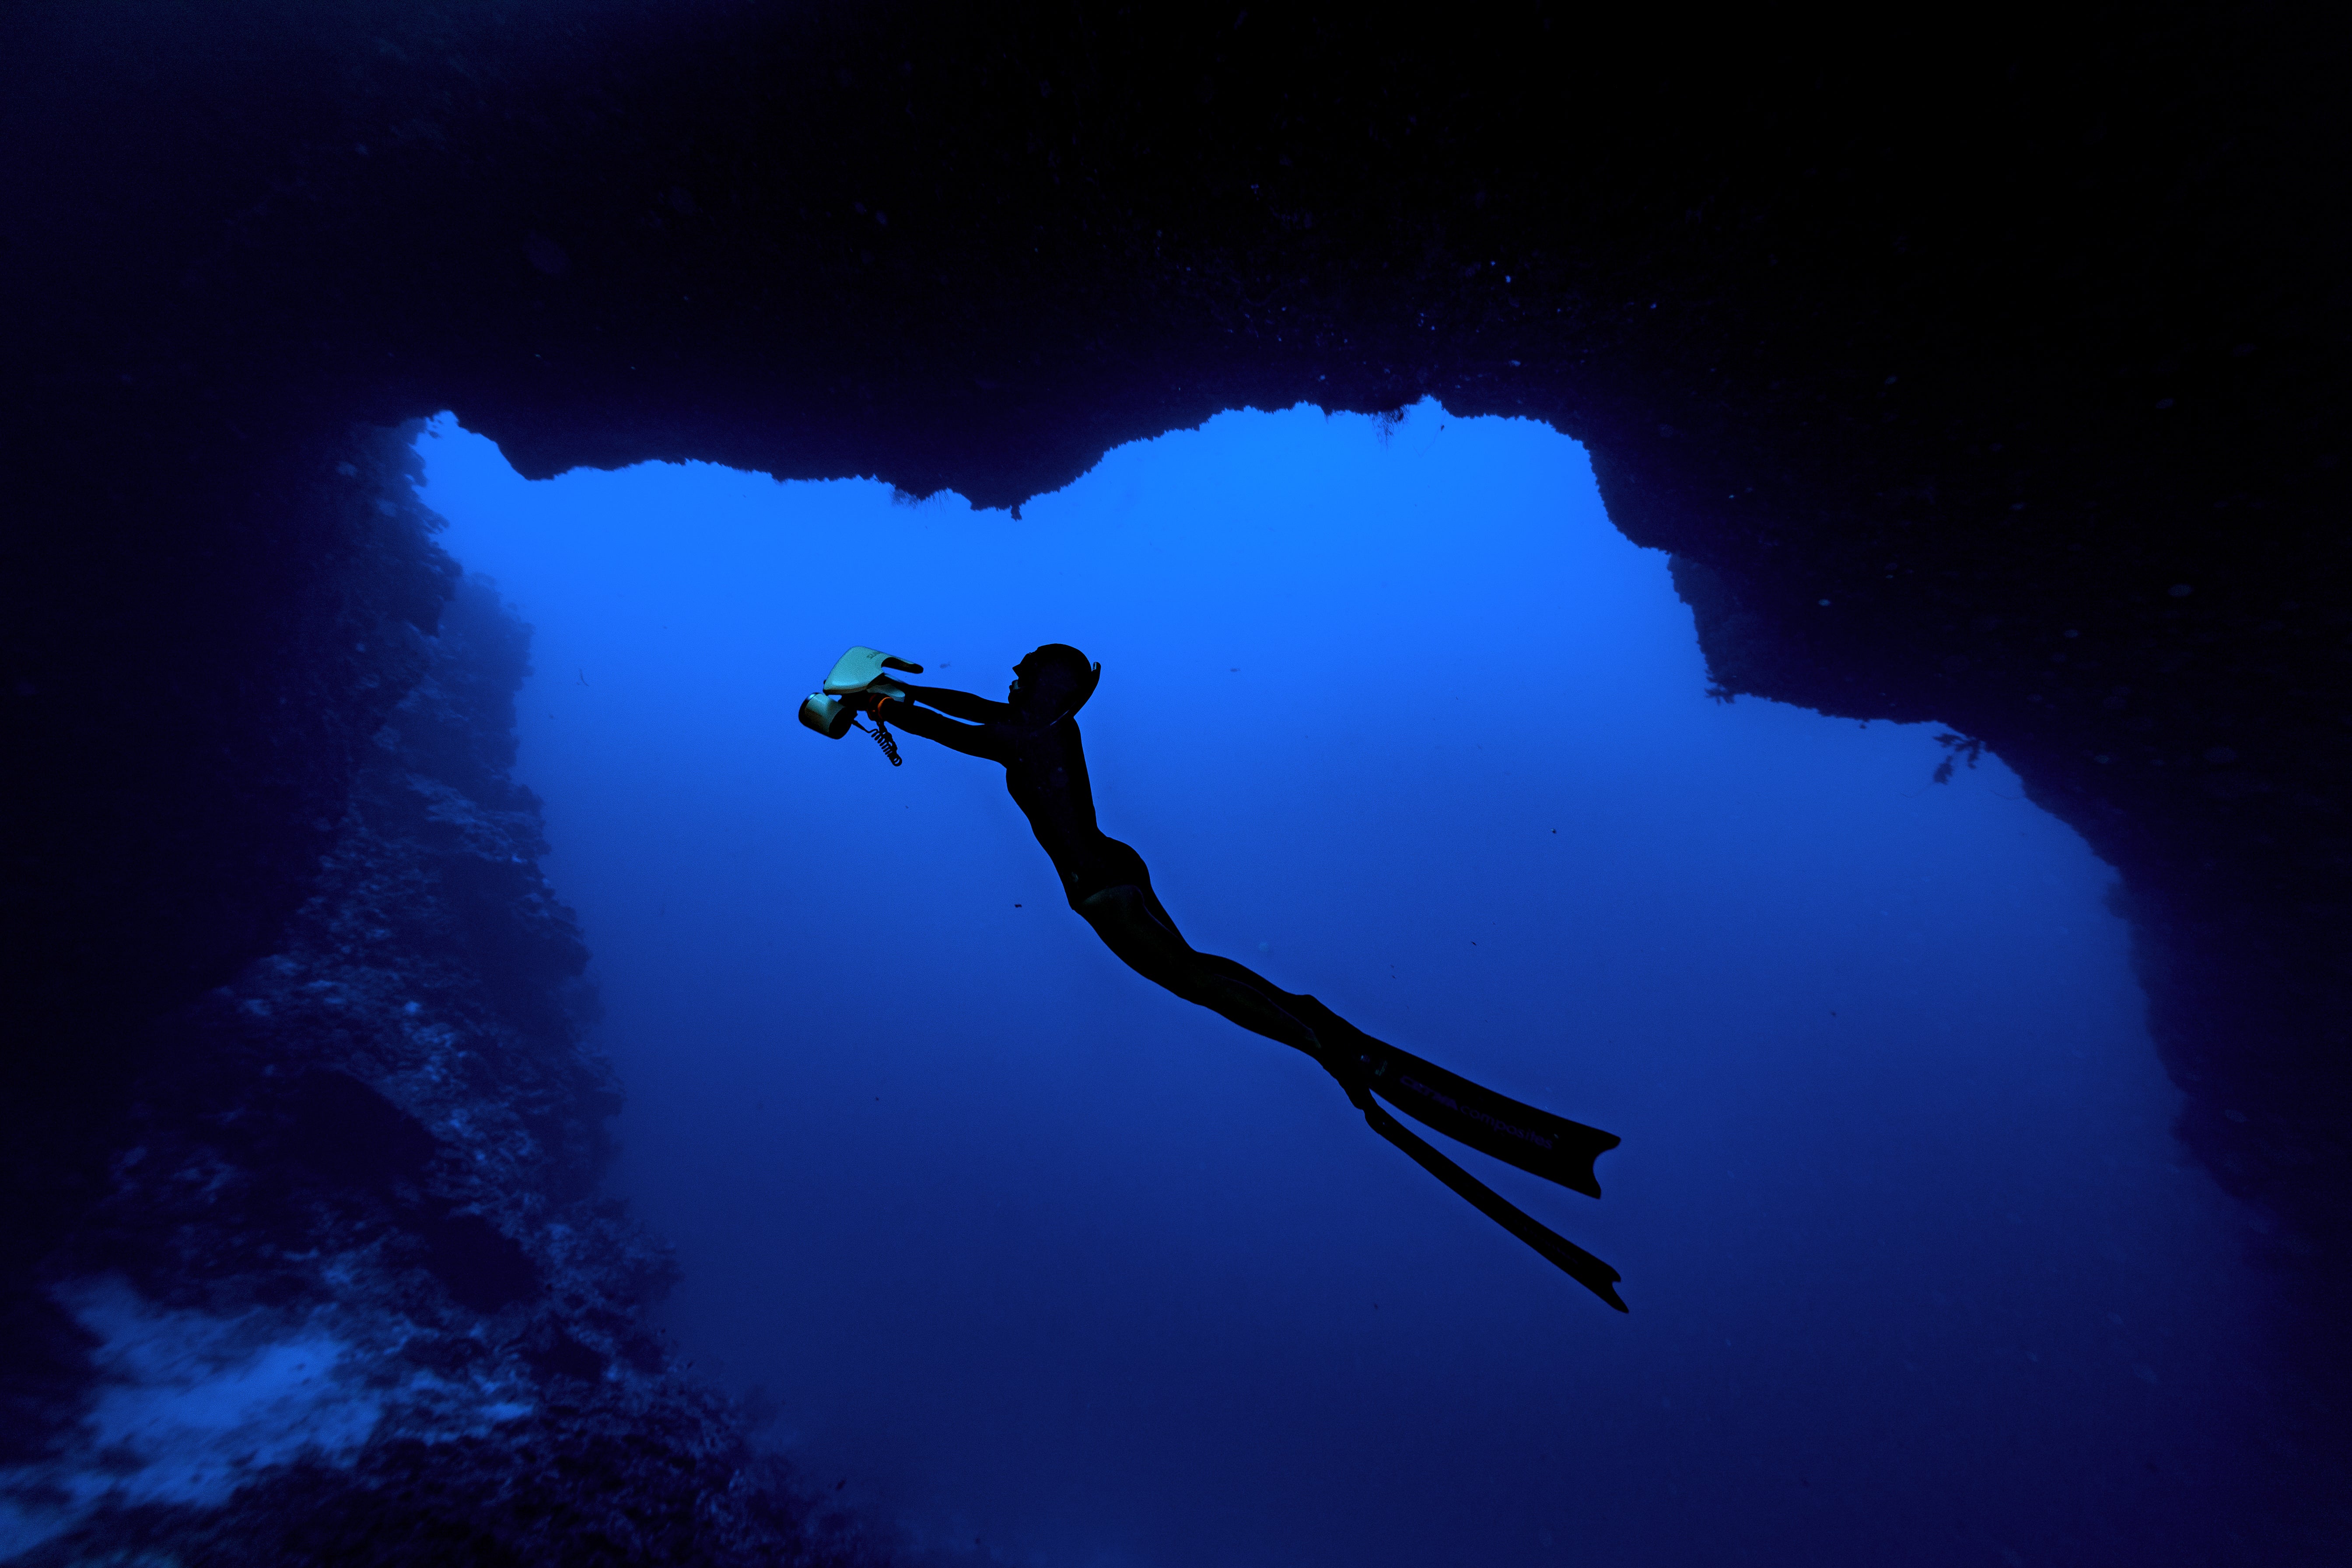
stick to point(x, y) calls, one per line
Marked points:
point(1030, 1252)
point(1942, 360)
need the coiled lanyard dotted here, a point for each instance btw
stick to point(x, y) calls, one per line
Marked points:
point(881, 733)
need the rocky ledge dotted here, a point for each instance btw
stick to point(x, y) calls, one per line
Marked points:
point(349, 1294)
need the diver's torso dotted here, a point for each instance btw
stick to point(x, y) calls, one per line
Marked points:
point(1045, 773)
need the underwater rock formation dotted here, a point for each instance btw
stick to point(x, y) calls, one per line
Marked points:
point(1986, 371)
point(349, 1294)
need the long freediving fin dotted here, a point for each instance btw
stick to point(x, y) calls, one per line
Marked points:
point(1569, 1259)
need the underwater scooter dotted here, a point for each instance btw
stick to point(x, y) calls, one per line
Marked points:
point(857, 673)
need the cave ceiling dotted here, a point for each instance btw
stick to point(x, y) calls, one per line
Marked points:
point(1979, 369)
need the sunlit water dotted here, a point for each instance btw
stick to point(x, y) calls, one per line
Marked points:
point(1047, 1264)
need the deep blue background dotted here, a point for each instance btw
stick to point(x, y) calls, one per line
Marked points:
point(1035, 1255)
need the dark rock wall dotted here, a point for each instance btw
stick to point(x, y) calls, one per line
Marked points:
point(1985, 368)
point(203, 633)
point(377, 1148)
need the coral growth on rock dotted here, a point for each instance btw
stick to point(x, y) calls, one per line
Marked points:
point(351, 1295)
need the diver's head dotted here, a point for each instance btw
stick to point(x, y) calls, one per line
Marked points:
point(1053, 680)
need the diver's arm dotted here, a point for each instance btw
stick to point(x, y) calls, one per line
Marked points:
point(972, 739)
point(960, 704)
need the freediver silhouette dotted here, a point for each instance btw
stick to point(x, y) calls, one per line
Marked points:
point(1033, 735)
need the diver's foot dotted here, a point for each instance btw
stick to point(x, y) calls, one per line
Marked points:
point(1340, 1043)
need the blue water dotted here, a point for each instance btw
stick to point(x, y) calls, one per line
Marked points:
point(1051, 1268)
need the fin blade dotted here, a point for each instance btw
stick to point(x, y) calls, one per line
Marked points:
point(1556, 1249)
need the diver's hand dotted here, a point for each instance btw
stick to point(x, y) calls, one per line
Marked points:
point(875, 700)
point(867, 701)
point(862, 668)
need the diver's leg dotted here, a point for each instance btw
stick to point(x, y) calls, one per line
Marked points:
point(1135, 921)
point(1133, 925)
point(1345, 1049)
